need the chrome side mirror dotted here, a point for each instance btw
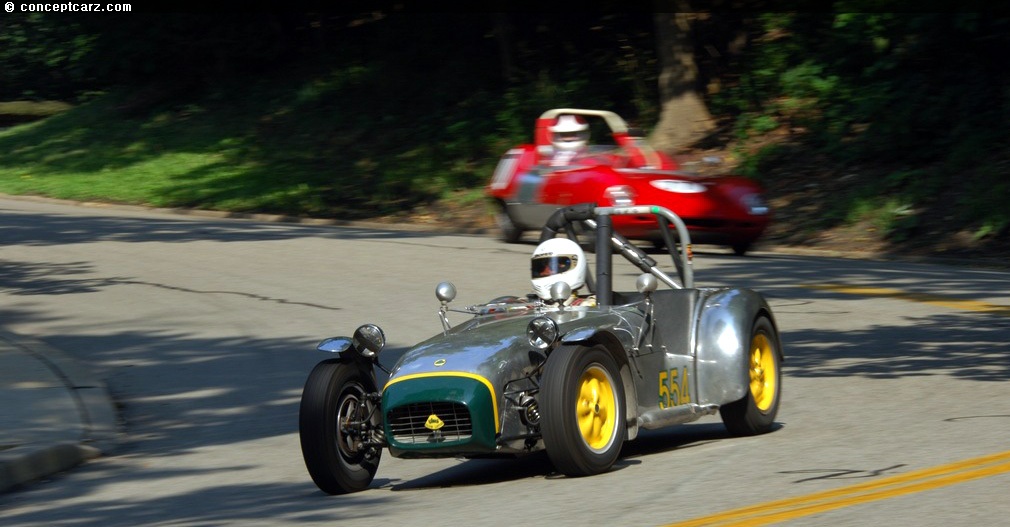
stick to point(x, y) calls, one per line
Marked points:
point(335, 345)
point(646, 283)
point(445, 292)
point(560, 291)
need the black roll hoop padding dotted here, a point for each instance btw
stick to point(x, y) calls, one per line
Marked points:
point(562, 218)
point(565, 216)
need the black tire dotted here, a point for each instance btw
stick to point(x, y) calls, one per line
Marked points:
point(582, 408)
point(510, 232)
point(335, 459)
point(740, 249)
point(755, 412)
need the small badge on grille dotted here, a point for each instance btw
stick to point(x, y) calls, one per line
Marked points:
point(440, 362)
point(433, 422)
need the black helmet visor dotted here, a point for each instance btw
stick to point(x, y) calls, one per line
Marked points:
point(550, 265)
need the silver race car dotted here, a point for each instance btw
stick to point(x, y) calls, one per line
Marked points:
point(574, 376)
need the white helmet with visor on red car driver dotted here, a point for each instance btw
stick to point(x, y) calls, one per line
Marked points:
point(557, 260)
point(569, 133)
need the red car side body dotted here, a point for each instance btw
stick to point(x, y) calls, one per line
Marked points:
point(725, 210)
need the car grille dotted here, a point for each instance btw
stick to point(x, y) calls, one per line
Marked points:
point(407, 422)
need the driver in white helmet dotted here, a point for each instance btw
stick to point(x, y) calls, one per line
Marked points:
point(560, 260)
point(570, 137)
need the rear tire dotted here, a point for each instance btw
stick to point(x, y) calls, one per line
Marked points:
point(337, 460)
point(583, 412)
point(740, 249)
point(755, 412)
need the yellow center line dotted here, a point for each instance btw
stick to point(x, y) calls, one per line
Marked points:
point(923, 298)
point(901, 484)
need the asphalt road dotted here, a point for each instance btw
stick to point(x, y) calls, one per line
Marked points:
point(895, 386)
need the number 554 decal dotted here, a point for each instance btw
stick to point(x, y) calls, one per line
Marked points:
point(673, 388)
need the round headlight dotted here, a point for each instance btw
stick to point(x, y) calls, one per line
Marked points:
point(368, 340)
point(678, 186)
point(542, 333)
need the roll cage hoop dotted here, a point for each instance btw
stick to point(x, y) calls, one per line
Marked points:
point(624, 136)
point(607, 241)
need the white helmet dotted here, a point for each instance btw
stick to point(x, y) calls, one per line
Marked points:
point(557, 260)
point(569, 133)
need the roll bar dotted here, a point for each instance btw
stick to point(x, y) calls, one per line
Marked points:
point(608, 241)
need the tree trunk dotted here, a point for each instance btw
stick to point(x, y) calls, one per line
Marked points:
point(684, 118)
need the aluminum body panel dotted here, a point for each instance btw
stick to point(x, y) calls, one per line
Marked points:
point(726, 319)
point(495, 348)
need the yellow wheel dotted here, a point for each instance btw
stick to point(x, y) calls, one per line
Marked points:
point(582, 410)
point(755, 412)
point(596, 408)
point(763, 372)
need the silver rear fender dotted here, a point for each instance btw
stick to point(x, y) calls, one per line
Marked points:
point(724, 332)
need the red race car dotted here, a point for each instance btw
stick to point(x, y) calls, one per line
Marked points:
point(562, 168)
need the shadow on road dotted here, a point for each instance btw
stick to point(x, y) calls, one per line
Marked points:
point(179, 392)
point(39, 229)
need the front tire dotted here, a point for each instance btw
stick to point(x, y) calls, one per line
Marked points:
point(583, 412)
point(755, 412)
point(510, 232)
point(335, 395)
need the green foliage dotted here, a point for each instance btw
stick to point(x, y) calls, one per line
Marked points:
point(382, 126)
point(982, 201)
point(40, 57)
point(879, 84)
point(893, 216)
point(757, 165)
point(894, 204)
point(879, 88)
point(355, 114)
point(754, 124)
